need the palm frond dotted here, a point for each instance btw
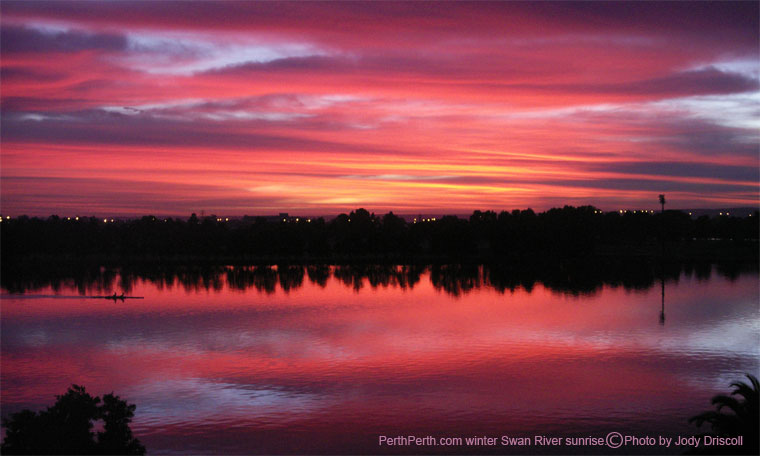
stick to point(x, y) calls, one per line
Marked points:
point(721, 400)
point(742, 419)
point(708, 416)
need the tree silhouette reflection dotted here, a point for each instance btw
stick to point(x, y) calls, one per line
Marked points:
point(318, 273)
point(290, 276)
point(571, 277)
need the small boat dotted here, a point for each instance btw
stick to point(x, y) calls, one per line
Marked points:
point(116, 297)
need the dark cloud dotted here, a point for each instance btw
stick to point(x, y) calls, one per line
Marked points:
point(712, 140)
point(372, 67)
point(737, 20)
point(667, 131)
point(707, 81)
point(22, 74)
point(655, 185)
point(108, 128)
point(15, 39)
point(698, 82)
point(684, 169)
point(729, 22)
point(308, 64)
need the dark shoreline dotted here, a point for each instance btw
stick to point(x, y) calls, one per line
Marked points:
point(746, 251)
point(519, 236)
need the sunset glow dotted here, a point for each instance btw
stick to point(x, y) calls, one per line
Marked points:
point(121, 108)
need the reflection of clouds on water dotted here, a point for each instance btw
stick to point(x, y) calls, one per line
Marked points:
point(325, 354)
point(737, 335)
point(35, 338)
point(167, 402)
point(419, 323)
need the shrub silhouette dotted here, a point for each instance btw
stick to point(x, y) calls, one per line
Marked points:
point(66, 427)
point(742, 420)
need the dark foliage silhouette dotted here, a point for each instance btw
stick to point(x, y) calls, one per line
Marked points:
point(567, 232)
point(319, 274)
point(737, 414)
point(67, 427)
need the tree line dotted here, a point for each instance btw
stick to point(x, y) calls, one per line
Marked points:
point(564, 232)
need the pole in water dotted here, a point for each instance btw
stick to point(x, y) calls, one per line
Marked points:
point(662, 309)
point(662, 258)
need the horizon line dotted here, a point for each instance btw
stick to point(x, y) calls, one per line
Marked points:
point(206, 214)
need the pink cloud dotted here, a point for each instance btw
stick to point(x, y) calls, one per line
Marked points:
point(512, 102)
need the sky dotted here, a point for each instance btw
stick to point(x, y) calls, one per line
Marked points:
point(233, 108)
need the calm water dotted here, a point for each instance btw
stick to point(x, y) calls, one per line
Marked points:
point(324, 360)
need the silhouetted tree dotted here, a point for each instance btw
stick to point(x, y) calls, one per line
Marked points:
point(66, 427)
point(567, 232)
point(116, 437)
point(392, 233)
point(733, 417)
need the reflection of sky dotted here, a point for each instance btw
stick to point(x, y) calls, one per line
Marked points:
point(171, 401)
point(386, 357)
